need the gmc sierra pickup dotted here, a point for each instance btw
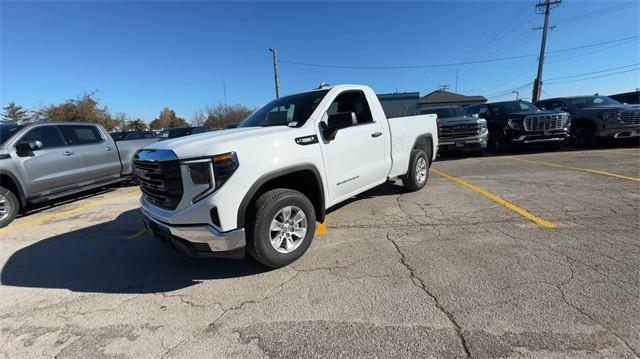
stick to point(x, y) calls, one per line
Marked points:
point(459, 131)
point(43, 161)
point(262, 186)
point(597, 117)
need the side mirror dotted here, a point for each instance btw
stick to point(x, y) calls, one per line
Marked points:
point(26, 148)
point(337, 122)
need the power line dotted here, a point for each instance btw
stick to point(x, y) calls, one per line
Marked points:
point(598, 12)
point(361, 67)
point(594, 77)
point(594, 72)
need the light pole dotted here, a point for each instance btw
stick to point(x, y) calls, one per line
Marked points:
point(517, 94)
point(275, 71)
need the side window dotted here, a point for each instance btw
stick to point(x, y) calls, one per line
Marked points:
point(472, 110)
point(483, 110)
point(352, 101)
point(148, 135)
point(81, 134)
point(48, 135)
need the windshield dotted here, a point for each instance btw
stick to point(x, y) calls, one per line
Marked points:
point(591, 101)
point(291, 110)
point(446, 112)
point(7, 130)
point(505, 108)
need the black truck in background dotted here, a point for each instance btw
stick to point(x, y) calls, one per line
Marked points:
point(596, 117)
point(520, 122)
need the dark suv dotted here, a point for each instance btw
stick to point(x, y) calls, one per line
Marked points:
point(597, 116)
point(182, 131)
point(520, 122)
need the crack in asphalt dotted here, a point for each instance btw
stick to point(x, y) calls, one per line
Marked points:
point(418, 282)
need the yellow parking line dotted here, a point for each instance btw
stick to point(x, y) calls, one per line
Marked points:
point(321, 228)
point(587, 170)
point(497, 199)
point(50, 216)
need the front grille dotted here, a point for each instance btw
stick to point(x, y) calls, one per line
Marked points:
point(459, 131)
point(545, 122)
point(630, 117)
point(160, 182)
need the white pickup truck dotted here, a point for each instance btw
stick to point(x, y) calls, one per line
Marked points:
point(262, 186)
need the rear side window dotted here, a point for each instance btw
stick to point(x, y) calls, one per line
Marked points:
point(82, 135)
point(48, 135)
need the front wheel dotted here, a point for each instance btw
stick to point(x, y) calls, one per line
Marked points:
point(584, 136)
point(418, 173)
point(283, 227)
point(9, 206)
point(498, 142)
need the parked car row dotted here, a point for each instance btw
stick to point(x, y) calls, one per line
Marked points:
point(40, 162)
point(552, 122)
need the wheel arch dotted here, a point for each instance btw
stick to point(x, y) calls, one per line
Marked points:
point(425, 142)
point(9, 181)
point(303, 178)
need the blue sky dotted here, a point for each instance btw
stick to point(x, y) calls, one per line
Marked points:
point(143, 56)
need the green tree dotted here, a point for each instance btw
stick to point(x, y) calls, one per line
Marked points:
point(81, 109)
point(221, 115)
point(15, 113)
point(136, 125)
point(168, 119)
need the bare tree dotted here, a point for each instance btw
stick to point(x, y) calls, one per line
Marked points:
point(221, 115)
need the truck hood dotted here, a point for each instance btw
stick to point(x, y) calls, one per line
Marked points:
point(458, 121)
point(202, 144)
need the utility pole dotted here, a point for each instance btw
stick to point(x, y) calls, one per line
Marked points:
point(457, 71)
point(275, 71)
point(444, 87)
point(517, 94)
point(224, 89)
point(542, 5)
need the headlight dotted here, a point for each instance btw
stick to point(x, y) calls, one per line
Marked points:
point(224, 165)
point(212, 172)
point(515, 124)
point(609, 116)
point(482, 125)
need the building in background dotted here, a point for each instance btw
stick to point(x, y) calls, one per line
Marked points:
point(399, 104)
point(440, 98)
point(632, 97)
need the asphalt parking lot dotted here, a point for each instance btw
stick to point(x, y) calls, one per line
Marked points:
point(530, 255)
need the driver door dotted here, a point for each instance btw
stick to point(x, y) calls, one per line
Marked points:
point(355, 159)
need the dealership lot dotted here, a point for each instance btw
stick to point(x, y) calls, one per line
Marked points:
point(532, 254)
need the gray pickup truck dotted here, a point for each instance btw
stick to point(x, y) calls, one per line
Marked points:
point(43, 161)
point(459, 131)
point(597, 117)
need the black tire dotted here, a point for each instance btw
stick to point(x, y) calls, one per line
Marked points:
point(410, 180)
point(9, 206)
point(584, 135)
point(498, 142)
point(265, 209)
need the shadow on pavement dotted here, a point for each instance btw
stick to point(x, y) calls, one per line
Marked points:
point(104, 258)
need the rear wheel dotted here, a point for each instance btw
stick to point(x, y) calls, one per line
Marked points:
point(9, 206)
point(418, 172)
point(283, 227)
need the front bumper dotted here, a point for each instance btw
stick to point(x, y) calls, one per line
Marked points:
point(619, 132)
point(551, 136)
point(476, 143)
point(198, 240)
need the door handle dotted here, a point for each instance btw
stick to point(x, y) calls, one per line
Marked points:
point(67, 153)
point(108, 148)
point(376, 134)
